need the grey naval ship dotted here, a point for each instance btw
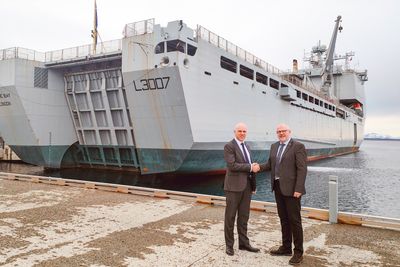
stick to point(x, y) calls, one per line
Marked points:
point(165, 99)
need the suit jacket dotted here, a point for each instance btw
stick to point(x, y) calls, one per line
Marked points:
point(292, 170)
point(237, 169)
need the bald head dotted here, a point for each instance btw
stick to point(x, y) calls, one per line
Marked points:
point(240, 131)
point(240, 125)
point(283, 132)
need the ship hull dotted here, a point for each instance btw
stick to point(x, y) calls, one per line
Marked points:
point(49, 156)
point(212, 161)
point(153, 160)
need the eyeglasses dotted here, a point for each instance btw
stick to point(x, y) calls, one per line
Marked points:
point(281, 131)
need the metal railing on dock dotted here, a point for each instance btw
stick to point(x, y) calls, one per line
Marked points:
point(312, 213)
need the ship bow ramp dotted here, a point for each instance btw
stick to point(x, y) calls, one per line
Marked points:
point(160, 119)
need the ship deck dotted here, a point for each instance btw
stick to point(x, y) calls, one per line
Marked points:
point(80, 223)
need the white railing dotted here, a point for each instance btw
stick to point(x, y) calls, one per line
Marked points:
point(107, 47)
point(212, 38)
point(139, 27)
point(131, 29)
point(22, 53)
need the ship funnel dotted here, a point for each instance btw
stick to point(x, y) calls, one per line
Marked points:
point(295, 66)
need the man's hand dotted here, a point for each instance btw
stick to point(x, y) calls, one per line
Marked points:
point(255, 167)
point(297, 194)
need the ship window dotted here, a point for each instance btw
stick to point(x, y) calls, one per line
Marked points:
point(311, 99)
point(160, 48)
point(261, 78)
point(298, 93)
point(304, 96)
point(283, 85)
point(339, 113)
point(246, 72)
point(326, 105)
point(228, 64)
point(191, 50)
point(316, 101)
point(273, 83)
point(321, 103)
point(176, 45)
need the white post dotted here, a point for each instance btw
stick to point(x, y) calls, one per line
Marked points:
point(333, 198)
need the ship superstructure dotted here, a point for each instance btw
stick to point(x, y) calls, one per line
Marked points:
point(165, 99)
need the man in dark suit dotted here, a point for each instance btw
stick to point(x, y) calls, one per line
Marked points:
point(237, 186)
point(288, 165)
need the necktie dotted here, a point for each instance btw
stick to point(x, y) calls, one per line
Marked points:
point(278, 158)
point(245, 154)
point(280, 150)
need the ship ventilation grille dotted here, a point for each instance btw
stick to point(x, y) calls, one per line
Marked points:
point(41, 78)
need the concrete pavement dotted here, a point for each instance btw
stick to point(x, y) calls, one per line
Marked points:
point(48, 225)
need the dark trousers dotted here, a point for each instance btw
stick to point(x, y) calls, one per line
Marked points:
point(289, 215)
point(237, 202)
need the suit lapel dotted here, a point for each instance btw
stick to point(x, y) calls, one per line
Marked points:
point(288, 147)
point(239, 150)
point(274, 150)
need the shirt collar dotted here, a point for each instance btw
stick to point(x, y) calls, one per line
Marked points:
point(287, 141)
point(238, 142)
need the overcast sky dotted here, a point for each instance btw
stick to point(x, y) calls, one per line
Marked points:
point(276, 31)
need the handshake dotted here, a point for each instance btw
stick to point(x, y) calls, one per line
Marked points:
point(255, 167)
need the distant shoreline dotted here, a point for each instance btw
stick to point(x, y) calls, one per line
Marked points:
point(383, 139)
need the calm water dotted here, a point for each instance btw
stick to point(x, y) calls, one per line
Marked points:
point(369, 181)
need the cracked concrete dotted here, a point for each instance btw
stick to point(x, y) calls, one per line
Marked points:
point(48, 225)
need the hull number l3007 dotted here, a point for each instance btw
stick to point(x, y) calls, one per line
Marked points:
point(152, 84)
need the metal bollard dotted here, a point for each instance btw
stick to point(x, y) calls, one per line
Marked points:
point(333, 198)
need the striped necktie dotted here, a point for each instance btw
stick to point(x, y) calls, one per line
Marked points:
point(245, 154)
point(280, 150)
point(278, 159)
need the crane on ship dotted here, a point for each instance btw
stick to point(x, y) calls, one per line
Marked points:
point(326, 74)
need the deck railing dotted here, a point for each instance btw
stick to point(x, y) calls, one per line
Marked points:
point(212, 38)
point(108, 47)
point(208, 36)
point(103, 48)
point(22, 53)
point(139, 27)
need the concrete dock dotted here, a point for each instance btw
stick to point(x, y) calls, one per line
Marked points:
point(48, 225)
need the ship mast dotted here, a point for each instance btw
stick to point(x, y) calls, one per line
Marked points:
point(94, 31)
point(328, 69)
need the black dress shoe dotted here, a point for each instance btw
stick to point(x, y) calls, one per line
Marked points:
point(296, 259)
point(281, 251)
point(249, 248)
point(230, 251)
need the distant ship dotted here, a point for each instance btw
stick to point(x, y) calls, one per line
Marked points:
point(165, 99)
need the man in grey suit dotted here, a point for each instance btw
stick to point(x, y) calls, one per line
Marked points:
point(288, 165)
point(238, 189)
